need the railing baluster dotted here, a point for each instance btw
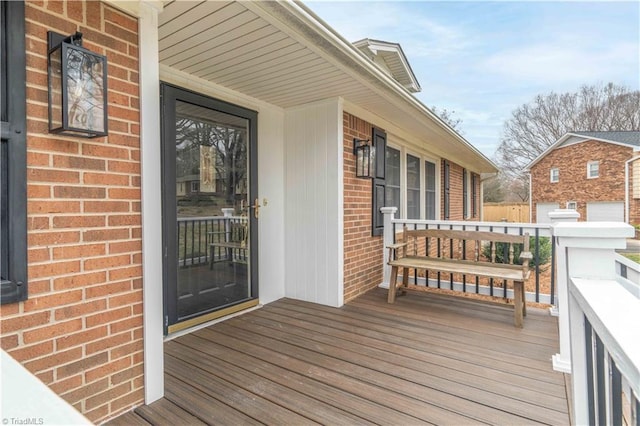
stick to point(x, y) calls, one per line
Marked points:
point(415, 273)
point(464, 257)
point(616, 394)
point(588, 346)
point(601, 375)
point(491, 244)
point(553, 271)
point(537, 260)
point(439, 254)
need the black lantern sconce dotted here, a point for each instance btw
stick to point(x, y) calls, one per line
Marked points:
point(365, 158)
point(77, 87)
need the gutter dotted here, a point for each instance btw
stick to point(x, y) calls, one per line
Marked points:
point(359, 64)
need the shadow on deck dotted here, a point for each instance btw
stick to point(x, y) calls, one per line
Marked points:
point(426, 359)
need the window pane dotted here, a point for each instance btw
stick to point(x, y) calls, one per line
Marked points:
point(413, 187)
point(430, 192)
point(392, 191)
point(393, 166)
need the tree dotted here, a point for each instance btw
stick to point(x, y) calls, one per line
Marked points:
point(448, 117)
point(535, 126)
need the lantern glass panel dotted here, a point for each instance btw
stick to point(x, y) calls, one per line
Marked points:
point(85, 89)
point(55, 88)
point(365, 161)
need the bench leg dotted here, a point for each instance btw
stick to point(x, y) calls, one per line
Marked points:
point(519, 309)
point(391, 297)
point(405, 280)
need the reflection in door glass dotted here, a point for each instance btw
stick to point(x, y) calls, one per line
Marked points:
point(211, 197)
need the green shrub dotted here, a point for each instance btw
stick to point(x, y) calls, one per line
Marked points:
point(543, 257)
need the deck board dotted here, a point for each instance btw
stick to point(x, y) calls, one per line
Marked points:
point(427, 359)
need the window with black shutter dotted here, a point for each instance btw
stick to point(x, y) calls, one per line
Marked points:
point(379, 138)
point(13, 166)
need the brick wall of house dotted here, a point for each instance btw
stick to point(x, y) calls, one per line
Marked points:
point(573, 184)
point(80, 331)
point(362, 252)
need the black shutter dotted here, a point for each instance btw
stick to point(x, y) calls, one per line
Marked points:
point(379, 138)
point(447, 195)
point(13, 154)
point(465, 194)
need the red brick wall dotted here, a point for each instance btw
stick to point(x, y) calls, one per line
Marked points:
point(362, 252)
point(80, 331)
point(573, 185)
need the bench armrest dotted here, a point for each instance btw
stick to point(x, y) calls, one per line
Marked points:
point(526, 256)
point(396, 246)
point(393, 249)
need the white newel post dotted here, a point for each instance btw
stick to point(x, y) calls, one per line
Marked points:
point(389, 215)
point(562, 360)
point(228, 214)
point(584, 250)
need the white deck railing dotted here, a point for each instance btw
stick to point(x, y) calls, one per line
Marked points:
point(602, 311)
point(628, 274)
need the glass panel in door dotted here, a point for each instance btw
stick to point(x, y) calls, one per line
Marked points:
point(209, 226)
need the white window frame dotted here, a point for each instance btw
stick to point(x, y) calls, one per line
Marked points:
point(551, 175)
point(572, 205)
point(593, 163)
point(404, 187)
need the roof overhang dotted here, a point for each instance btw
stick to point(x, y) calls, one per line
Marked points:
point(281, 53)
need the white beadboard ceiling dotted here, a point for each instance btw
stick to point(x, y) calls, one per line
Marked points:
point(270, 51)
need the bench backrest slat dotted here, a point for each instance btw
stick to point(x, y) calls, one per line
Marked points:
point(465, 235)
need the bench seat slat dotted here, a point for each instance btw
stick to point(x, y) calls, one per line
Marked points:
point(467, 267)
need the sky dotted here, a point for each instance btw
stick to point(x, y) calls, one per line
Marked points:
point(484, 59)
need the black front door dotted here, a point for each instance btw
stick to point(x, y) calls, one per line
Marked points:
point(209, 229)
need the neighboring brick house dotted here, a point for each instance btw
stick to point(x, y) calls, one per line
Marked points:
point(595, 173)
point(99, 236)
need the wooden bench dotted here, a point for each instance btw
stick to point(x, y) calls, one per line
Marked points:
point(460, 252)
point(233, 241)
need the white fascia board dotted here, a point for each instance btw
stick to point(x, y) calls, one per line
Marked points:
point(279, 14)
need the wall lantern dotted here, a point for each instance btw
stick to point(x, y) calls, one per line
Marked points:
point(365, 158)
point(77, 87)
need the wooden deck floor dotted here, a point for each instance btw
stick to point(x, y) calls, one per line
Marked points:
point(427, 359)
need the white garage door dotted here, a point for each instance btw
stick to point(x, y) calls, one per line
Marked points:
point(542, 211)
point(605, 211)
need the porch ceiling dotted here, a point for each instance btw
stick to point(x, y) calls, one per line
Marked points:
point(280, 53)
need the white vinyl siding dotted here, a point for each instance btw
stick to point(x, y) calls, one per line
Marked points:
point(542, 211)
point(605, 211)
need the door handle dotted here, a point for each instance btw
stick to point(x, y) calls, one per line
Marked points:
point(256, 207)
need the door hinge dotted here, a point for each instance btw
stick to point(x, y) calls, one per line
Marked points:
point(166, 320)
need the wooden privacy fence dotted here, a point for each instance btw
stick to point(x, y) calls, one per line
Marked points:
point(511, 212)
